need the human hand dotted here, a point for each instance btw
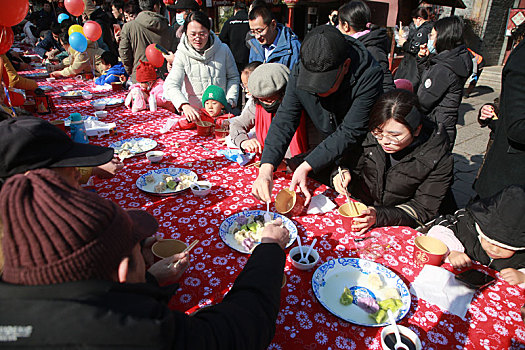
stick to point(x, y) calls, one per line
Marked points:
point(299, 179)
point(170, 57)
point(108, 170)
point(274, 233)
point(423, 50)
point(459, 260)
point(191, 113)
point(487, 112)
point(166, 274)
point(263, 184)
point(251, 146)
point(147, 253)
point(512, 276)
point(366, 220)
point(56, 74)
point(341, 186)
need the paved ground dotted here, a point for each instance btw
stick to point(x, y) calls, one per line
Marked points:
point(471, 140)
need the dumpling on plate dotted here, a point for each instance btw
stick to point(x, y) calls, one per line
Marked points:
point(150, 179)
point(160, 187)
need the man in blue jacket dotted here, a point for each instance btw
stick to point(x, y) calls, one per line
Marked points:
point(50, 46)
point(272, 42)
point(336, 82)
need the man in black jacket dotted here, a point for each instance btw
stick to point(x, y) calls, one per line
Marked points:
point(336, 82)
point(74, 277)
point(233, 34)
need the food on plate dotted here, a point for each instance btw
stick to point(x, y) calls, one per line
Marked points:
point(367, 303)
point(150, 179)
point(381, 315)
point(74, 93)
point(170, 183)
point(346, 297)
point(247, 230)
point(388, 293)
point(160, 187)
point(372, 281)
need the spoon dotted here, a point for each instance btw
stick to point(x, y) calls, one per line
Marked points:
point(305, 259)
point(398, 344)
point(267, 215)
point(300, 247)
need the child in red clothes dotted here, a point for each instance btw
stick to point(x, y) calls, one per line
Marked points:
point(213, 102)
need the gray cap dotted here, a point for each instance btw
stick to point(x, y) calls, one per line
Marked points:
point(268, 79)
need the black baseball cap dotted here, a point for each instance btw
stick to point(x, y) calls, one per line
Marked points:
point(323, 52)
point(28, 143)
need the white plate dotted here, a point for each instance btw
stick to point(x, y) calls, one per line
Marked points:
point(329, 280)
point(109, 101)
point(67, 121)
point(145, 144)
point(232, 243)
point(73, 93)
point(149, 187)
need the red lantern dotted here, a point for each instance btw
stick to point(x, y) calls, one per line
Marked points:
point(75, 7)
point(154, 56)
point(6, 39)
point(92, 30)
point(13, 12)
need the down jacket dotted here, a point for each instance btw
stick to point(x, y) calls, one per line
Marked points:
point(417, 183)
point(441, 89)
point(15, 80)
point(378, 44)
point(286, 51)
point(148, 28)
point(192, 73)
point(82, 62)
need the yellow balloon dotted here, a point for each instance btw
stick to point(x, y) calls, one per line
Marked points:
point(75, 28)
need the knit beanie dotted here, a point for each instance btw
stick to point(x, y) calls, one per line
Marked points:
point(145, 72)
point(268, 79)
point(56, 233)
point(216, 93)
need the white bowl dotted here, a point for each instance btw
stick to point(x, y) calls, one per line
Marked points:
point(154, 156)
point(407, 332)
point(99, 106)
point(101, 114)
point(67, 87)
point(295, 251)
point(203, 188)
point(51, 79)
point(87, 96)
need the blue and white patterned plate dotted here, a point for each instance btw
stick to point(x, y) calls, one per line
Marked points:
point(109, 101)
point(73, 93)
point(232, 243)
point(37, 75)
point(45, 88)
point(145, 145)
point(149, 187)
point(67, 121)
point(329, 280)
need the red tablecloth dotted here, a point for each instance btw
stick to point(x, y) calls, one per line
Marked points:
point(493, 321)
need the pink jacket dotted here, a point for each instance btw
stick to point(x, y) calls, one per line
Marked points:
point(138, 100)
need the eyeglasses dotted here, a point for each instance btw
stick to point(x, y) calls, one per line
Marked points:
point(258, 32)
point(390, 138)
point(200, 35)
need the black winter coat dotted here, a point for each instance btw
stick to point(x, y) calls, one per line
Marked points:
point(378, 44)
point(408, 67)
point(105, 22)
point(233, 34)
point(341, 118)
point(418, 182)
point(505, 160)
point(109, 315)
point(441, 90)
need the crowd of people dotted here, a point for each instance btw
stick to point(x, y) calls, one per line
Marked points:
point(328, 108)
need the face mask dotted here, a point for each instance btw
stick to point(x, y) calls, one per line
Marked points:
point(271, 108)
point(430, 46)
point(179, 18)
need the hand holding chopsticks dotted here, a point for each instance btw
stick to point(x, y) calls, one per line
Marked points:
point(189, 248)
point(351, 204)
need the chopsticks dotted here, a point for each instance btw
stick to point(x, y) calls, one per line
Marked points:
point(190, 247)
point(351, 204)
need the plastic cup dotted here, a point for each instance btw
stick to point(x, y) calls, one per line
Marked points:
point(289, 203)
point(349, 212)
point(429, 251)
point(204, 128)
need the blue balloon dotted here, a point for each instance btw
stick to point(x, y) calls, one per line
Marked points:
point(62, 17)
point(78, 42)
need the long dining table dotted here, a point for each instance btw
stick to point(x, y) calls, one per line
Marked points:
point(493, 320)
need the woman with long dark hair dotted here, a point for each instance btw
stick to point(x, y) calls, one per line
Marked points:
point(405, 167)
point(354, 21)
point(445, 64)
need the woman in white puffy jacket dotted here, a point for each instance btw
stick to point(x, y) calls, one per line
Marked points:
point(200, 61)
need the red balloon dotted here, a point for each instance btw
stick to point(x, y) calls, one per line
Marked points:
point(75, 7)
point(154, 56)
point(92, 30)
point(6, 39)
point(13, 12)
